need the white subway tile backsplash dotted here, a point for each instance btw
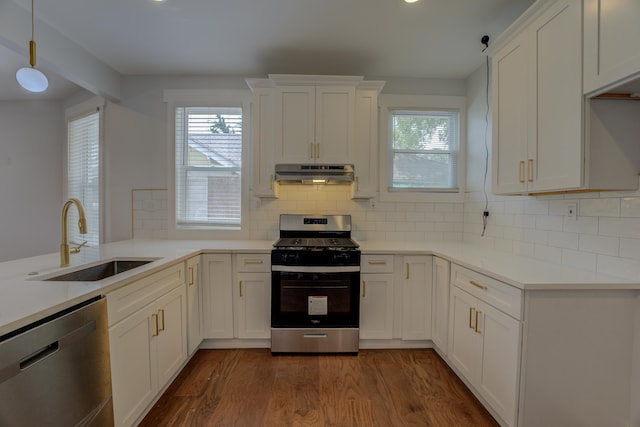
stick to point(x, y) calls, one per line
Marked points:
point(619, 267)
point(600, 244)
point(630, 207)
point(620, 227)
point(562, 239)
point(548, 222)
point(583, 225)
point(630, 248)
point(577, 259)
point(599, 207)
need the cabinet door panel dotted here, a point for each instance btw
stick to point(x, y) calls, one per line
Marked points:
point(557, 157)
point(133, 365)
point(500, 356)
point(510, 117)
point(440, 303)
point(335, 121)
point(254, 305)
point(171, 339)
point(465, 344)
point(416, 295)
point(194, 304)
point(295, 124)
point(612, 36)
point(376, 306)
point(217, 296)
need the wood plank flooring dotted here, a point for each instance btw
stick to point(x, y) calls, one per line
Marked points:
point(383, 388)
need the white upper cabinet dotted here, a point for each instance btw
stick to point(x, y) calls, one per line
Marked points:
point(538, 105)
point(314, 124)
point(314, 119)
point(611, 40)
point(542, 139)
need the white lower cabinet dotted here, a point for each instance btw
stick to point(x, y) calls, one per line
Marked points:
point(148, 346)
point(376, 297)
point(440, 306)
point(484, 343)
point(217, 296)
point(253, 296)
point(194, 304)
point(417, 283)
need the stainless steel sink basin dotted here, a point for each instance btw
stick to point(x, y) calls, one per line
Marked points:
point(100, 271)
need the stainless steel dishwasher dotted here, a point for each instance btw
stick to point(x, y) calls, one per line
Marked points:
point(56, 372)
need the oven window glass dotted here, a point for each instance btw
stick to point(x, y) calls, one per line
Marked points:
point(296, 288)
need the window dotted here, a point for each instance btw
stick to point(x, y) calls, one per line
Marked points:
point(424, 147)
point(208, 181)
point(83, 175)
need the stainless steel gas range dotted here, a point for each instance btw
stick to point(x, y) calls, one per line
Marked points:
point(315, 286)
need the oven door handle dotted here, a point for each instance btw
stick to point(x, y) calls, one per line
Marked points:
point(315, 269)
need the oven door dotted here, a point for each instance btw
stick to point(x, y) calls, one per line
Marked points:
point(315, 297)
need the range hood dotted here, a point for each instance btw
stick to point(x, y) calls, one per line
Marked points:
point(314, 174)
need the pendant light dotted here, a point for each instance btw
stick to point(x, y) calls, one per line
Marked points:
point(31, 78)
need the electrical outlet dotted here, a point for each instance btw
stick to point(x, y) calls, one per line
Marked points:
point(572, 210)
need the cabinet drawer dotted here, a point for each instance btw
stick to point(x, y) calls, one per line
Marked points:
point(500, 295)
point(253, 263)
point(376, 264)
point(130, 298)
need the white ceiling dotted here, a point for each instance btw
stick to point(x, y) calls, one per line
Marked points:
point(374, 38)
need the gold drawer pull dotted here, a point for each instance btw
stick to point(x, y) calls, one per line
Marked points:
point(191, 281)
point(364, 289)
point(240, 288)
point(377, 262)
point(521, 172)
point(478, 285)
point(253, 261)
point(154, 316)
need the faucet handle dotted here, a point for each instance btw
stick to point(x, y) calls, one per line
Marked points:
point(76, 249)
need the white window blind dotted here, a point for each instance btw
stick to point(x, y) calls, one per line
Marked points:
point(208, 167)
point(83, 175)
point(424, 150)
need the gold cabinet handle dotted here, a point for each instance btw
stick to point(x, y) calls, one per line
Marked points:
point(270, 182)
point(161, 311)
point(154, 316)
point(311, 150)
point(253, 261)
point(240, 288)
point(377, 262)
point(521, 172)
point(478, 285)
point(364, 289)
point(471, 311)
point(357, 183)
point(191, 276)
point(317, 150)
point(530, 170)
point(407, 271)
point(477, 327)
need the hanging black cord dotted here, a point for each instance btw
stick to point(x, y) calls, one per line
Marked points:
point(485, 213)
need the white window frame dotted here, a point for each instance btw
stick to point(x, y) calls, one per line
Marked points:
point(82, 109)
point(217, 99)
point(390, 103)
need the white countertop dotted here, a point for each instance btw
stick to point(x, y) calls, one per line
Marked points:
point(26, 299)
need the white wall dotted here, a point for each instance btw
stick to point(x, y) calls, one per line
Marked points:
point(31, 148)
point(605, 237)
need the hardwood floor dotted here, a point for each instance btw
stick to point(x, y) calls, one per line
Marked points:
point(375, 388)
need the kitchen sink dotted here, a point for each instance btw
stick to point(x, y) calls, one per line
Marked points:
point(101, 271)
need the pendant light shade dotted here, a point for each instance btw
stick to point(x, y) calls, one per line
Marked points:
point(31, 78)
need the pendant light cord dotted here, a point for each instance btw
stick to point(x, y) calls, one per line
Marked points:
point(32, 21)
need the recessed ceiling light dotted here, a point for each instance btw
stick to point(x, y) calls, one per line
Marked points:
point(410, 1)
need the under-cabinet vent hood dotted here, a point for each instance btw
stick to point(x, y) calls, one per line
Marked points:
point(314, 174)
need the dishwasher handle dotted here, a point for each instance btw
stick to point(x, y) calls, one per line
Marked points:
point(31, 359)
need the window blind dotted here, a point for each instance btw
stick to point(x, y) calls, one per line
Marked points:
point(425, 150)
point(83, 175)
point(208, 167)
